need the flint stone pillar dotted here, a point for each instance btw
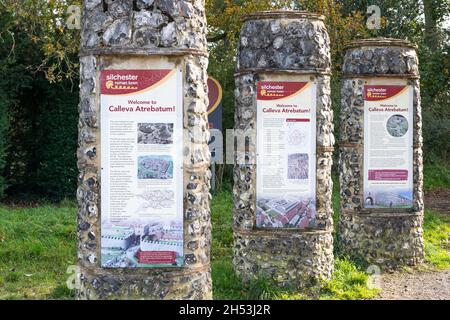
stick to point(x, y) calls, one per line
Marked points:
point(286, 46)
point(145, 34)
point(388, 237)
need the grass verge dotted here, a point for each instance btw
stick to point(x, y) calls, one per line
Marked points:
point(436, 176)
point(348, 282)
point(38, 245)
point(437, 239)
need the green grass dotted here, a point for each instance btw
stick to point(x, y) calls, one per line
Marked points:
point(222, 226)
point(38, 245)
point(437, 239)
point(436, 176)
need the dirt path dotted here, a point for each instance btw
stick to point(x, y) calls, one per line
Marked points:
point(420, 285)
point(416, 285)
point(438, 200)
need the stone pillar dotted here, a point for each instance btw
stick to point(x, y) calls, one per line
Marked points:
point(387, 237)
point(145, 34)
point(283, 46)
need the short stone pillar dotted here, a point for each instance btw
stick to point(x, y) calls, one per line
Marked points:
point(143, 62)
point(381, 154)
point(284, 135)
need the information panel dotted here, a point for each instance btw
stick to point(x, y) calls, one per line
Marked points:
point(388, 146)
point(142, 174)
point(286, 155)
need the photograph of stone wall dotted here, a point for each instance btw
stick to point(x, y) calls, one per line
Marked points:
point(298, 166)
point(155, 133)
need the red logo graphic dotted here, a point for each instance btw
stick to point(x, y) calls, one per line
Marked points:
point(377, 93)
point(130, 81)
point(278, 90)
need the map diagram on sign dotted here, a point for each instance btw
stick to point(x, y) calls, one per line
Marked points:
point(298, 166)
point(296, 136)
point(156, 199)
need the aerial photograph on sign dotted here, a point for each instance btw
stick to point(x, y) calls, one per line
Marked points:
point(285, 213)
point(139, 245)
point(397, 126)
point(155, 133)
point(155, 167)
point(298, 166)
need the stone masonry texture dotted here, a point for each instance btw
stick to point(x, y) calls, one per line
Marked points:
point(122, 30)
point(387, 238)
point(287, 43)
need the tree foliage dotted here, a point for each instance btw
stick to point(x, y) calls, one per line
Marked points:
point(44, 23)
point(39, 68)
point(39, 98)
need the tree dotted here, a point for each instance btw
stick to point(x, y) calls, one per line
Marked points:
point(38, 99)
point(435, 11)
point(44, 23)
point(431, 28)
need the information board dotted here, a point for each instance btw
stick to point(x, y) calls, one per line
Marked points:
point(215, 143)
point(286, 155)
point(142, 168)
point(388, 146)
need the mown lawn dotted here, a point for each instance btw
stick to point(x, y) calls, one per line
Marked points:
point(38, 248)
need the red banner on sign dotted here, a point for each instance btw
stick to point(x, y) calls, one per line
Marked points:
point(388, 175)
point(278, 90)
point(298, 120)
point(377, 93)
point(130, 81)
point(156, 257)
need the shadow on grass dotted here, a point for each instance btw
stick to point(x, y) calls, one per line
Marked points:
point(62, 292)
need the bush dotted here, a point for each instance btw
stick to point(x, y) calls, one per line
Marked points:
point(38, 121)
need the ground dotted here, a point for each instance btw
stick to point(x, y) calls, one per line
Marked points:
point(438, 200)
point(416, 285)
point(38, 255)
point(425, 282)
point(430, 281)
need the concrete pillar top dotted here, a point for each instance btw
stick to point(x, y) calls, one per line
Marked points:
point(283, 14)
point(381, 42)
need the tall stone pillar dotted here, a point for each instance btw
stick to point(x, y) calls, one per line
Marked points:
point(284, 233)
point(144, 35)
point(381, 154)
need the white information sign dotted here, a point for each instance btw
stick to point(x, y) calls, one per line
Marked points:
point(388, 146)
point(142, 174)
point(286, 155)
